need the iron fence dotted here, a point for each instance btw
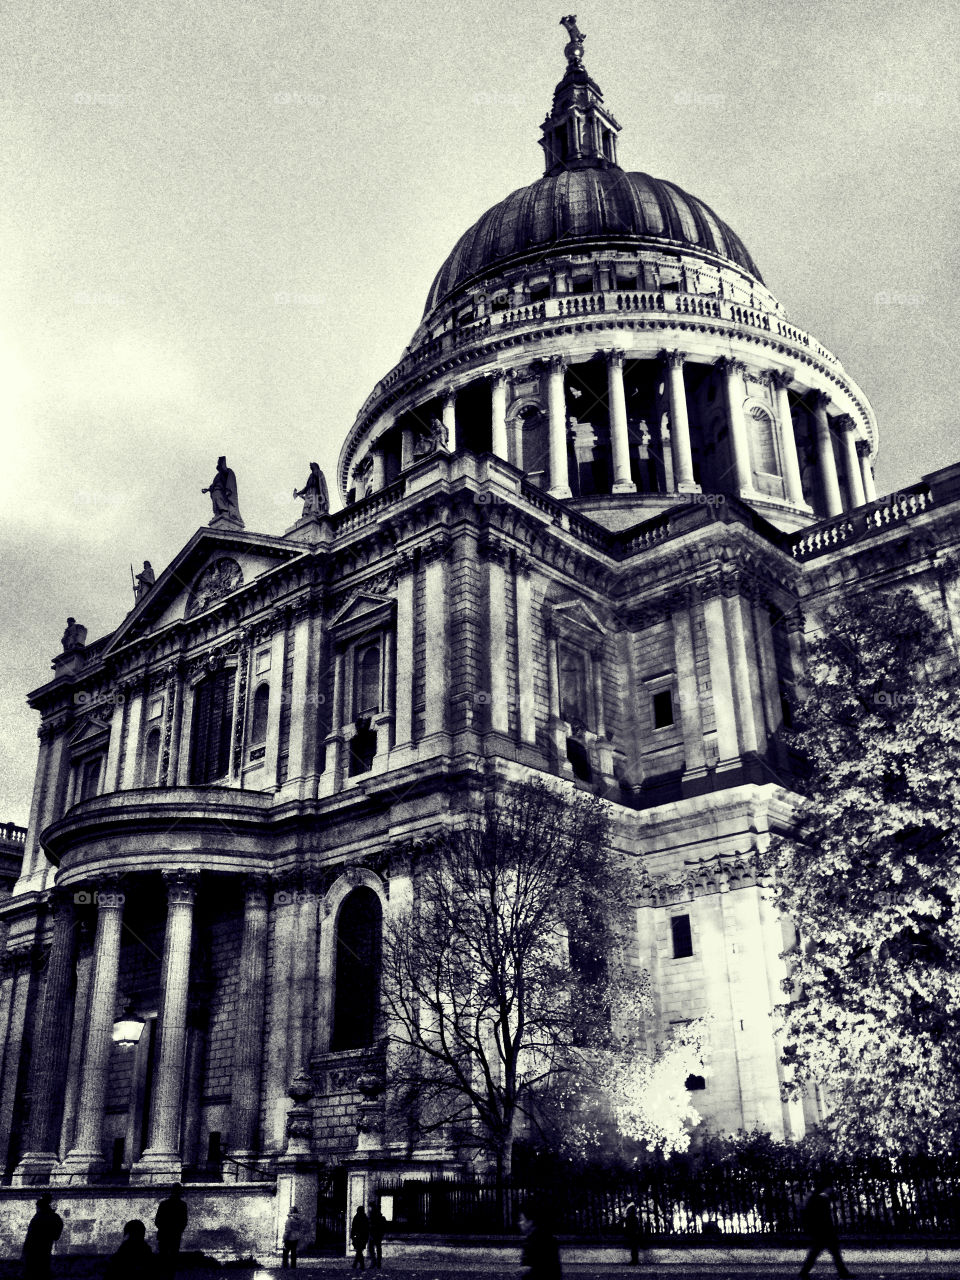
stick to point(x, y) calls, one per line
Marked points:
point(878, 1198)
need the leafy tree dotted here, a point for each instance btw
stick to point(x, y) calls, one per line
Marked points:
point(504, 970)
point(870, 876)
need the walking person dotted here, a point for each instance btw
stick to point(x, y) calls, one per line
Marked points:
point(359, 1235)
point(378, 1225)
point(292, 1235)
point(819, 1225)
point(134, 1257)
point(45, 1229)
point(171, 1222)
point(541, 1253)
point(634, 1232)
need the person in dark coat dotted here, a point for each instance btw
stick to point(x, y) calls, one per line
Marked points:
point(359, 1235)
point(819, 1226)
point(171, 1222)
point(541, 1253)
point(378, 1226)
point(292, 1234)
point(43, 1232)
point(634, 1232)
point(134, 1257)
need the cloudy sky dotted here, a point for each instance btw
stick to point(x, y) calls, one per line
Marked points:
point(220, 222)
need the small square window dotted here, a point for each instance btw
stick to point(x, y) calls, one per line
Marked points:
point(682, 938)
point(263, 661)
point(662, 709)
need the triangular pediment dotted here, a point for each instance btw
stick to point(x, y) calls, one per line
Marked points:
point(361, 608)
point(215, 564)
point(91, 731)
point(576, 615)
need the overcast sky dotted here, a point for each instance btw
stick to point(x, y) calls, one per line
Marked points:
point(220, 222)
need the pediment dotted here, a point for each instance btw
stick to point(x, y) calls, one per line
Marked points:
point(574, 616)
point(211, 567)
point(91, 732)
point(363, 609)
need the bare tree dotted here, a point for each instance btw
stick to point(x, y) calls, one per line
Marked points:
point(503, 967)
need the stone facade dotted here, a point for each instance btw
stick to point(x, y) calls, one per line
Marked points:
point(586, 534)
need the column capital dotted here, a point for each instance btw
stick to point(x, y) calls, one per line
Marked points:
point(256, 889)
point(821, 399)
point(844, 423)
point(501, 377)
point(673, 359)
point(615, 357)
point(781, 379)
point(730, 366)
point(60, 902)
point(557, 363)
point(182, 886)
point(449, 397)
point(863, 449)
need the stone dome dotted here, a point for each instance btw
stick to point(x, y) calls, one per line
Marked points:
point(581, 207)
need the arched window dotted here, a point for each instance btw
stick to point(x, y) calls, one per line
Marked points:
point(261, 709)
point(764, 442)
point(151, 758)
point(574, 690)
point(357, 978)
point(211, 727)
point(366, 694)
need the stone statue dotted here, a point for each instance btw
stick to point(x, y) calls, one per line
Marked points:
point(574, 50)
point(434, 440)
point(145, 581)
point(223, 493)
point(75, 636)
point(316, 501)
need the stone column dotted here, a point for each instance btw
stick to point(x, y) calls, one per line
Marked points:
point(248, 1038)
point(496, 659)
point(679, 424)
point(436, 657)
point(866, 470)
point(733, 371)
point(617, 406)
point(18, 969)
point(743, 664)
point(791, 463)
point(406, 448)
point(161, 1162)
point(720, 678)
point(403, 697)
point(825, 457)
point(81, 1002)
point(87, 1155)
point(847, 428)
point(48, 1067)
point(302, 758)
point(688, 692)
point(272, 743)
point(557, 407)
point(450, 420)
point(526, 699)
point(301, 1012)
point(498, 415)
point(283, 925)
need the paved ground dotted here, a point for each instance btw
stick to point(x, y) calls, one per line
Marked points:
point(87, 1269)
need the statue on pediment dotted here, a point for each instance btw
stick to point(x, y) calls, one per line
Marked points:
point(145, 580)
point(75, 636)
point(316, 500)
point(223, 494)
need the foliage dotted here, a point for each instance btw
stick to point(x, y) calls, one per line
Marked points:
point(870, 876)
point(502, 972)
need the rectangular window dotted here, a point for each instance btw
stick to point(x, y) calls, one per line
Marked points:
point(682, 939)
point(211, 730)
point(90, 777)
point(662, 709)
point(156, 709)
point(574, 686)
point(263, 661)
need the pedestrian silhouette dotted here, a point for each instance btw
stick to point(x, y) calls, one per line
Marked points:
point(819, 1225)
point(541, 1254)
point(292, 1234)
point(378, 1225)
point(359, 1235)
point(633, 1231)
point(134, 1257)
point(171, 1222)
point(42, 1234)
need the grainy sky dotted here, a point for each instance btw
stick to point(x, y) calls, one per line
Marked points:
point(220, 222)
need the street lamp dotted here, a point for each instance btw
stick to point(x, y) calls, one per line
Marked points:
point(128, 1029)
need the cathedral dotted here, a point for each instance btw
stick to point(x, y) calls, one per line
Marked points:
point(588, 520)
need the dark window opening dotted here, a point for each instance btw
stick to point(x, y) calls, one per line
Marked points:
point(574, 690)
point(694, 1082)
point(211, 729)
point(214, 1149)
point(539, 291)
point(626, 281)
point(366, 686)
point(357, 993)
point(90, 777)
point(662, 709)
point(116, 1162)
point(682, 938)
point(579, 759)
point(363, 750)
point(500, 303)
point(261, 709)
point(582, 284)
point(151, 758)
